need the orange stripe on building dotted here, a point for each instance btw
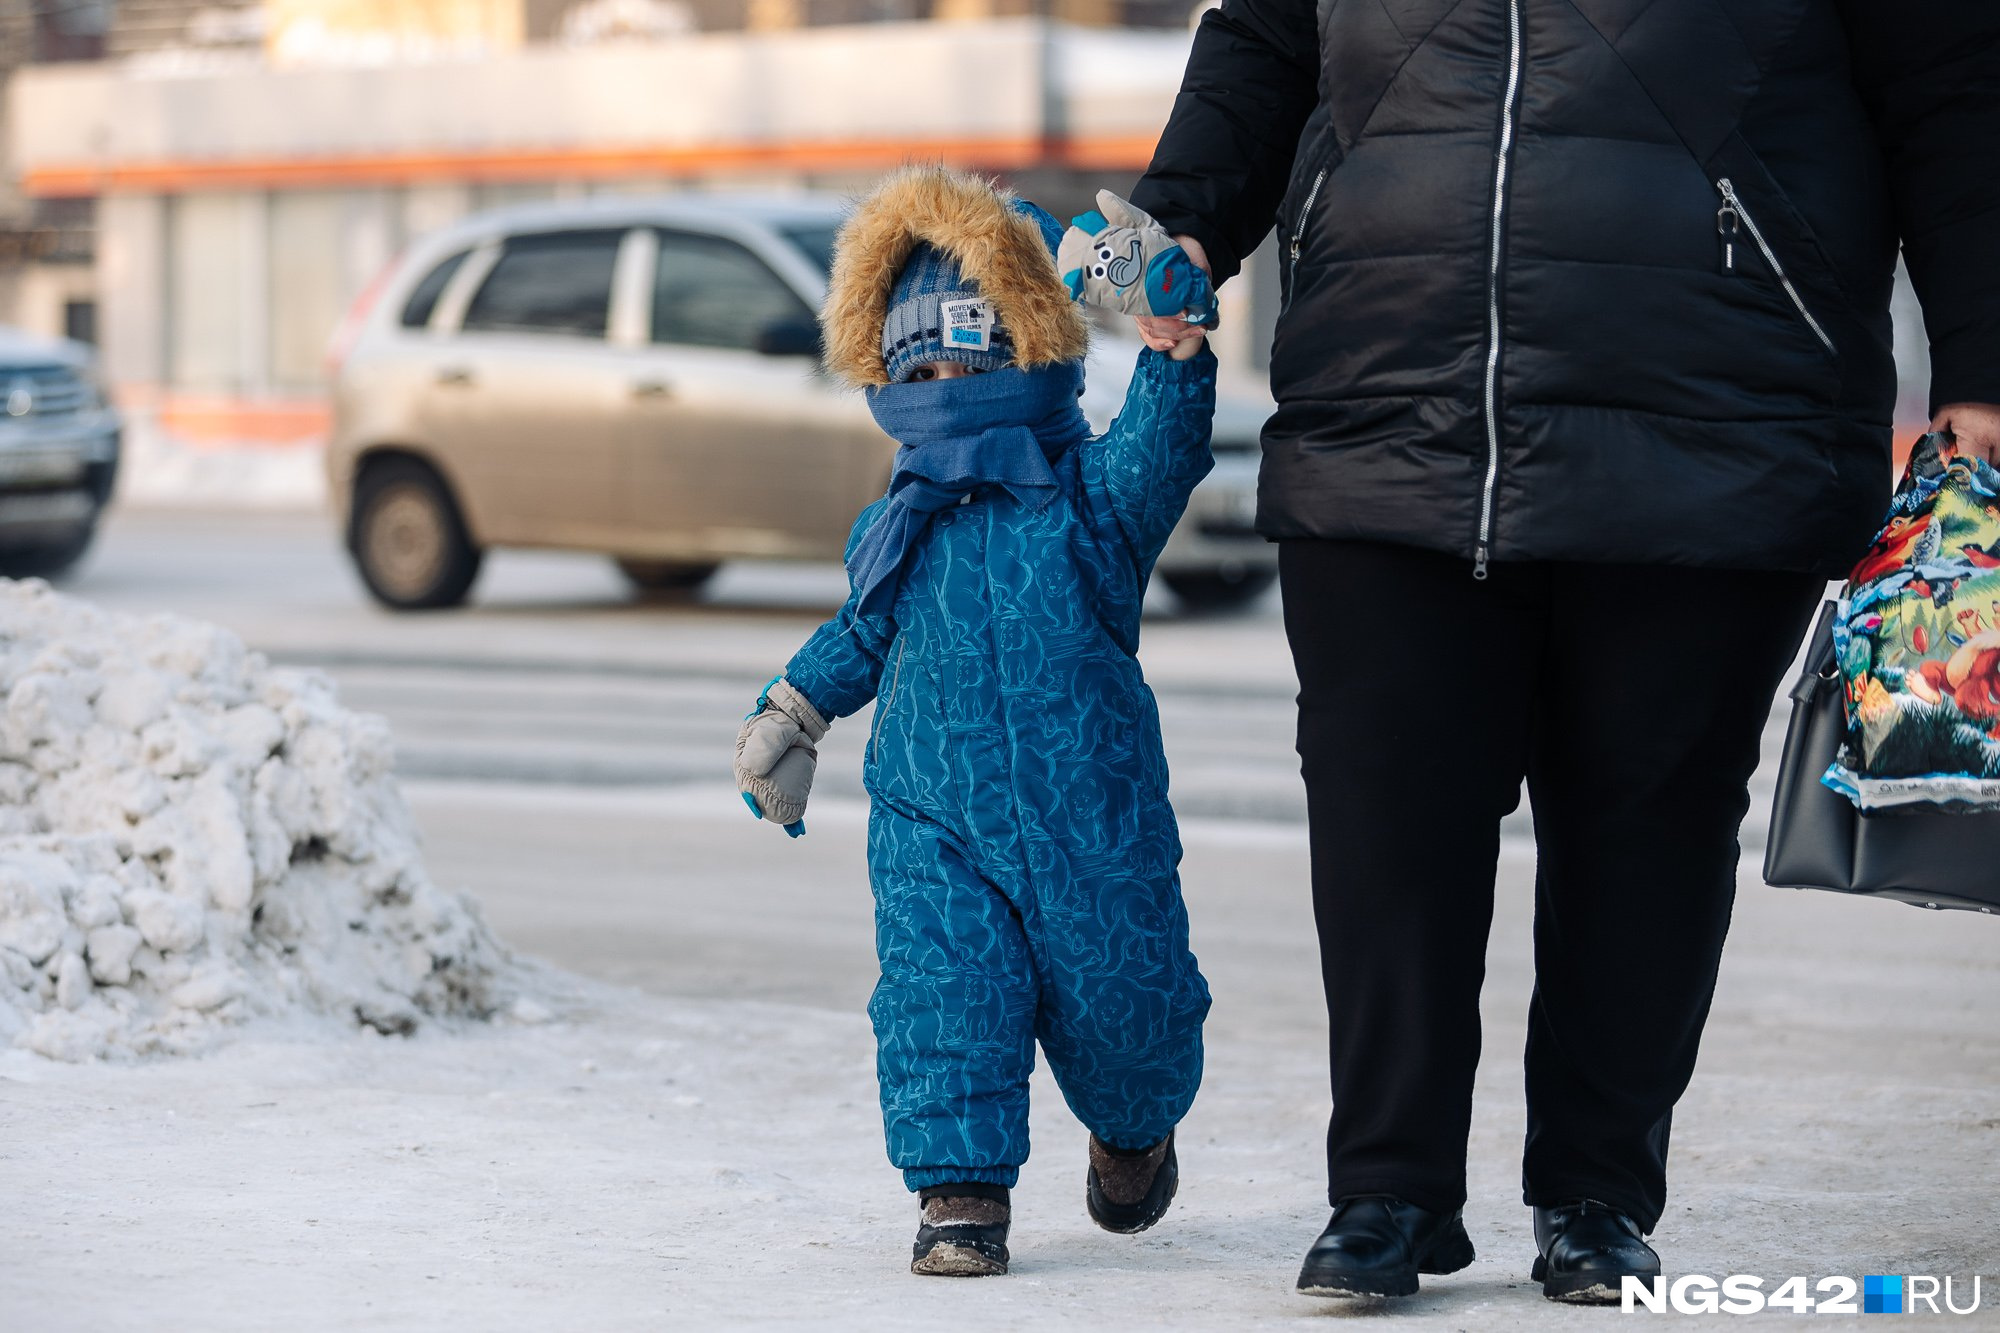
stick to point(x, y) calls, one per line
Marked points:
point(1111, 153)
point(222, 421)
point(227, 421)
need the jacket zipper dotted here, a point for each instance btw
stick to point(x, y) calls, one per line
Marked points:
point(1299, 235)
point(1485, 546)
point(895, 683)
point(1726, 218)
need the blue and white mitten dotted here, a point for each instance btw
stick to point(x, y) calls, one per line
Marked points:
point(1117, 257)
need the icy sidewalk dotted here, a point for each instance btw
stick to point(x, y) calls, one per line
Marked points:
point(657, 1161)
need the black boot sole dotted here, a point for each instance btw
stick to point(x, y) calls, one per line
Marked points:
point(1131, 1218)
point(947, 1258)
point(960, 1249)
point(1449, 1251)
point(1587, 1288)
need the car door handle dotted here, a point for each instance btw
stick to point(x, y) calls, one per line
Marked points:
point(652, 389)
point(454, 375)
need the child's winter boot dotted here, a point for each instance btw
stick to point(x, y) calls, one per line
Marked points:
point(963, 1232)
point(1129, 1189)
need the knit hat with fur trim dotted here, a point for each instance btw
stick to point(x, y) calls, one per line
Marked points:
point(937, 314)
point(1002, 250)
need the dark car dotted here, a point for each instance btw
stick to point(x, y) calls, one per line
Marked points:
point(59, 442)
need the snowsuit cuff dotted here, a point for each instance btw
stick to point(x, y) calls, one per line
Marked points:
point(1157, 370)
point(802, 680)
point(964, 1189)
point(923, 1177)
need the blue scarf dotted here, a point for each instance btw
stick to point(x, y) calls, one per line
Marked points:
point(959, 436)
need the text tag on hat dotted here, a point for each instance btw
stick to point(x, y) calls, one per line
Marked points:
point(968, 324)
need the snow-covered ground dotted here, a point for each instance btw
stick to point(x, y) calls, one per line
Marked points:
point(697, 1145)
point(650, 1161)
point(161, 470)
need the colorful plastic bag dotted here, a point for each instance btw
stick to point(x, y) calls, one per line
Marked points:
point(1917, 638)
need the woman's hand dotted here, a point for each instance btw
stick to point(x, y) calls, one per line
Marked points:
point(1976, 426)
point(1165, 333)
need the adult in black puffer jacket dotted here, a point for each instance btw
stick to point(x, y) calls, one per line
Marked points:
point(1584, 387)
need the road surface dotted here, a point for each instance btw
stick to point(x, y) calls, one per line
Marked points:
point(565, 748)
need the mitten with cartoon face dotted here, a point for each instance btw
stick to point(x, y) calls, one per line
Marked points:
point(1117, 257)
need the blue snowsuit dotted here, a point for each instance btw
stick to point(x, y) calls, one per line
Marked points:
point(1021, 846)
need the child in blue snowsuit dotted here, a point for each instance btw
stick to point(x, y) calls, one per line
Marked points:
point(1021, 846)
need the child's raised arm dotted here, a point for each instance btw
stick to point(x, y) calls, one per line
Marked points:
point(1157, 449)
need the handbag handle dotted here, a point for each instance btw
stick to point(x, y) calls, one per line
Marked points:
point(1821, 666)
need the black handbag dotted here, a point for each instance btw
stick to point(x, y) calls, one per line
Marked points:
point(1819, 840)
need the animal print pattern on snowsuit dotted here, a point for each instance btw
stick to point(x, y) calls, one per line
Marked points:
point(1021, 846)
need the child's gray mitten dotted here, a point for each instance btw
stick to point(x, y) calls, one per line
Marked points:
point(1117, 257)
point(775, 757)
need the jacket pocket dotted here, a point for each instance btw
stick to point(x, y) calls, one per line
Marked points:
point(1737, 230)
point(1317, 157)
point(887, 701)
point(1300, 224)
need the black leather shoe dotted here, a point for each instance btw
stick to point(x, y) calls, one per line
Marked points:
point(1375, 1245)
point(1586, 1248)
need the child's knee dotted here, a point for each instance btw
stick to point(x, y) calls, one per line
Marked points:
point(1128, 1023)
point(1130, 1093)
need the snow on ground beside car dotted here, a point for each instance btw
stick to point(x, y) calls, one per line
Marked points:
point(160, 470)
point(191, 838)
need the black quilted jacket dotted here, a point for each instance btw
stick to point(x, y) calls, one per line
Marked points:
point(1600, 280)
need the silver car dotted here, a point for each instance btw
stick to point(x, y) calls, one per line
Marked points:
point(640, 377)
point(59, 444)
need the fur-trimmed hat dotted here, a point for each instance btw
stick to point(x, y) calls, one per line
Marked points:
point(937, 314)
point(1000, 246)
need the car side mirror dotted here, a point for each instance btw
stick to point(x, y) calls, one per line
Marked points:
point(790, 337)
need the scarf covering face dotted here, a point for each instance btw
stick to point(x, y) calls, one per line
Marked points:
point(958, 436)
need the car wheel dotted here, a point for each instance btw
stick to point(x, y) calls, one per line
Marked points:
point(1221, 589)
point(47, 560)
point(666, 576)
point(408, 538)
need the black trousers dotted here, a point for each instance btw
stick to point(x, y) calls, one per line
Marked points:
point(1632, 700)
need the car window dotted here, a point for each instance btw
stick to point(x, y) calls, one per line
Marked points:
point(714, 293)
point(816, 242)
point(424, 296)
point(558, 282)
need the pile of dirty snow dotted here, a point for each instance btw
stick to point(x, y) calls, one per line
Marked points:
point(190, 838)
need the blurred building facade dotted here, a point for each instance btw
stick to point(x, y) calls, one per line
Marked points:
point(235, 176)
point(204, 187)
point(47, 254)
